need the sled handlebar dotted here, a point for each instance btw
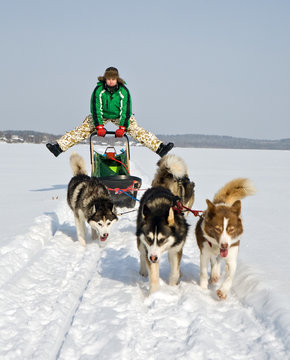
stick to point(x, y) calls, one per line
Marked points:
point(94, 134)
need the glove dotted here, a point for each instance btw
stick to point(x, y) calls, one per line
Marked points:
point(101, 131)
point(120, 132)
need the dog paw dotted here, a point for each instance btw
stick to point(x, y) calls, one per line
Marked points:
point(83, 242)
point(153, 288)
point(203, 284)
point(221, 294)
point(214, 279)
point(174, 280)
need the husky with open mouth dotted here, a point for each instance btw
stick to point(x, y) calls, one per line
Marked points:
point(218, 233)
point(90, 202)
point(160, 228)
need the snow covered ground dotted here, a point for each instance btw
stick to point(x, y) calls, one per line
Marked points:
point(61, 301)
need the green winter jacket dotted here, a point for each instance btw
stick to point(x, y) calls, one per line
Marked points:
point(111, 105)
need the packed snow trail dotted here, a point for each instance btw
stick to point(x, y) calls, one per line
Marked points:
point(59, 300)
point(44, 292)
point(181, 322)
point(71, 303)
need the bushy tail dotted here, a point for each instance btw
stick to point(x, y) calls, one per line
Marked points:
point(234, 190)
point(174, 165)
point(77, 164)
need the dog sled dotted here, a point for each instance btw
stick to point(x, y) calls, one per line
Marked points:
point(113, 170)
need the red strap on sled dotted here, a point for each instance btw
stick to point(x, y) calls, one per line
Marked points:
point(129, 188)
point(122, 164)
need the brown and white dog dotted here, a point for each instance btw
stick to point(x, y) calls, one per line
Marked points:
point(219, 231)
point(172, 174)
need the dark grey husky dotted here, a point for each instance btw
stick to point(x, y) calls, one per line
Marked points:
point(90, 202)
point(160, 228)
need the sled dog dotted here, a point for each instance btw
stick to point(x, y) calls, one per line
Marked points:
point(160, 228)
point(90, 202)
point(219, 231)
point(172, 174)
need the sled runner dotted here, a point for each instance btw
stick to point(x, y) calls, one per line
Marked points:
point(113, 170)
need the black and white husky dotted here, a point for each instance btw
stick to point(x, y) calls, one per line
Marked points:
point(90, 202)
point(160, 228)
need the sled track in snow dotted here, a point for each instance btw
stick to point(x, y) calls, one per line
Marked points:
point(42, 291)
point(127, 324)
point(69, 302)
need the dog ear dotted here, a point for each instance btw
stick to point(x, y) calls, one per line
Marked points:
point(114, 211)
point(146, 211)
point(210, 205)
point(210, 208)
point(159, 162)
point(236, 207)
point(170, 218)
point(112, 208)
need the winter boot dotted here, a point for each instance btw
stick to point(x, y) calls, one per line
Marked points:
point(164, 149)
point(54, 148)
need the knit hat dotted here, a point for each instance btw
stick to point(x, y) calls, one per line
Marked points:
point(111, 73)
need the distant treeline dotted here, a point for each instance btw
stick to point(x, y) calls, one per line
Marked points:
point(225, 142)
point(189, 140)
point(26, 136)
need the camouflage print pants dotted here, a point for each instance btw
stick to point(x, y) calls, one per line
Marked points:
point(84, 131)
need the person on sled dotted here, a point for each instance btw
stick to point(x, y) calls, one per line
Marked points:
point(110, 102)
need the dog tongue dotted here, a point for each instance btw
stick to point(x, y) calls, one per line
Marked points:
point(224, 252)
point(103, 238)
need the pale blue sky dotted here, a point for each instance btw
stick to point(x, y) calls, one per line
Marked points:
point(202, 67)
